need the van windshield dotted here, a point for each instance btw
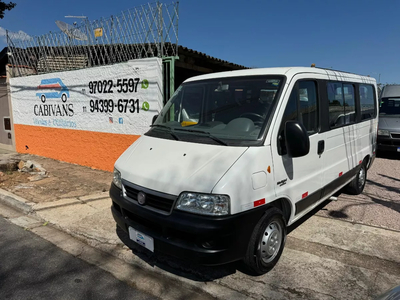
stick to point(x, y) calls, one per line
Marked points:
point(226, 111)
point(390, 106)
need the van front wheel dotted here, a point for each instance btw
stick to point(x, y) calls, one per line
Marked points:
point(266, 243)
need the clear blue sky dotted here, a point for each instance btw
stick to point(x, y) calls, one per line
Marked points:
point(357, 36)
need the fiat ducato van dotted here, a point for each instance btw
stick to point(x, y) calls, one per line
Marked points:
point(234, 158)
point(389, 119)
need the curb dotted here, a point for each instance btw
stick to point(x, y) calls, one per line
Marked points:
point(16, 202)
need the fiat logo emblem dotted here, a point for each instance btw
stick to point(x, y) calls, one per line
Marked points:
point(141, 197)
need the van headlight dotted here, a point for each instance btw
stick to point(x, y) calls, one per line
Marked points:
point(117, 178)
point(205, 204)
point(383, 132)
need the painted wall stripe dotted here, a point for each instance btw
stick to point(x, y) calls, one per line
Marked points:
point(88, 148)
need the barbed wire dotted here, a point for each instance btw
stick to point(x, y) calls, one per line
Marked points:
point(150, 30)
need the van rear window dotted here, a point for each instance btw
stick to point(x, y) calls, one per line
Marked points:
point(367, 102)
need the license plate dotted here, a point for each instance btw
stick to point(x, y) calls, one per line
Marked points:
point(142, 239)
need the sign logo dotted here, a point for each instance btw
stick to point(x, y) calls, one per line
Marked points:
point(145, 106)
point(141, 197)
point(52, 88)
point(145, 84)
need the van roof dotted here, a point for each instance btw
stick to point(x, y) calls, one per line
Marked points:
point(392, 90)
point(288, 72)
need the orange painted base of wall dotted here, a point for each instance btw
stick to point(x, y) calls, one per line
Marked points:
point(88, 148)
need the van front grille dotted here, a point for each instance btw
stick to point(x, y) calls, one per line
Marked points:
point(395, 135)
point(156, 202)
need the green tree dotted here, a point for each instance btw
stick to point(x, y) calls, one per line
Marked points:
point(5, 6)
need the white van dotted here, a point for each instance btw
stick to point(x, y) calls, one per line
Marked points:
point(236, 157)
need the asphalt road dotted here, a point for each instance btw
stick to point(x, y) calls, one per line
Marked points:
point(33, 268)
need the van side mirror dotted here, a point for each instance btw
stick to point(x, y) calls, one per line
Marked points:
point(154, 119)
point(296, 138)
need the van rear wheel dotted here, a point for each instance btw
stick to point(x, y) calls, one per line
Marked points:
point(266, 243)
point(356, 186)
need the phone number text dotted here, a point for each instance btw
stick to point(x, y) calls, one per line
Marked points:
point(109, 105)
point(107, 86)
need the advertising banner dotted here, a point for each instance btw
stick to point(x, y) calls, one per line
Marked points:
point(120, 98)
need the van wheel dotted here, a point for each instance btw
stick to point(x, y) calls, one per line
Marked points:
point(266, 242)
point(43, 98)
point(356, 186)
point(64, 98)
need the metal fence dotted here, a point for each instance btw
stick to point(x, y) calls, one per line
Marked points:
point(149, 30)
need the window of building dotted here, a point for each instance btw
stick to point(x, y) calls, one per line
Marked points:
point(7, 124)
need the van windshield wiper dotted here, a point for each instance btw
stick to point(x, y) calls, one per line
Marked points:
point(204, 132)
point(169, 129)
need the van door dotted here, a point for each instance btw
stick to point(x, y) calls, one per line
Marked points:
point(299, 179)
point(340, 157)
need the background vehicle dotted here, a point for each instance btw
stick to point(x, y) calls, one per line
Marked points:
point(262, 148)
point(52, 88)
point(389, 119)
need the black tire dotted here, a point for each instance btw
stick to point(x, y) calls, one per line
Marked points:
point(356, 186)
point(64, 98)
point(269, 233)
point(43, 98)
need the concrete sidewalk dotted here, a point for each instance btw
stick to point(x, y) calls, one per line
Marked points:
point(324, 258)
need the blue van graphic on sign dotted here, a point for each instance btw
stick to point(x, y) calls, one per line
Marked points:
point(52, 88)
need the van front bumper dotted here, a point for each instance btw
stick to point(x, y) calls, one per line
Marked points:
point(388, 144)
point(200, 239)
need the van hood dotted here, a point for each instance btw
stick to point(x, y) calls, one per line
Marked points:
point(391, 123)
point(172, 167)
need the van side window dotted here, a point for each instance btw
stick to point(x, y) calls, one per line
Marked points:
point(336, 104)
point(367, 102)
point(290, 113)
point(349, 103)
point(302, 106)
point(342, 105)
point(308, 108)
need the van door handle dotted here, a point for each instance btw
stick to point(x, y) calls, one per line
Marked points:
point(321, 147)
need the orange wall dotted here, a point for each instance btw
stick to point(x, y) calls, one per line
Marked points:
point(88, 148)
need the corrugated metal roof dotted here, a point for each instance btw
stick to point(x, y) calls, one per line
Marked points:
point(183, 50)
